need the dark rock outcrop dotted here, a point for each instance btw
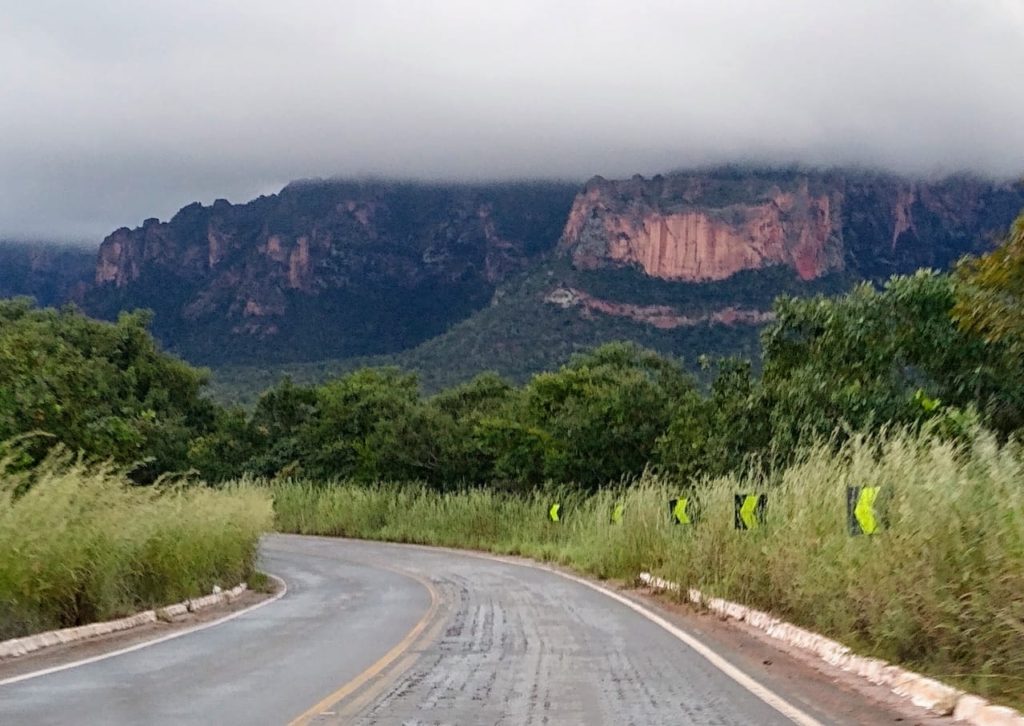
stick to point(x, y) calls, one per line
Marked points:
point(326, 269)
point(332, 269)
point(52, 274)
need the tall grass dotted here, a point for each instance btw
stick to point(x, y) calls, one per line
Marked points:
point(940, 588)
point(79, 543)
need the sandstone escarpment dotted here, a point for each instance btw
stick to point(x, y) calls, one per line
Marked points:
point(326, 268)
point(336, 269)
point(52, 274)
point(709, 226)
point(685, 240)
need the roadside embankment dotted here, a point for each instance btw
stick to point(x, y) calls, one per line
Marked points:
point(80, 544)
point(936, 588)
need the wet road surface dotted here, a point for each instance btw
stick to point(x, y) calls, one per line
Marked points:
point(372, 633)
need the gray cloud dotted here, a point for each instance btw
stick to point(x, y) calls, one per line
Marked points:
point(115, 110)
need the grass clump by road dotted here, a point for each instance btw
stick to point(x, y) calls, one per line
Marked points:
point(938, 589)
point(80, 543)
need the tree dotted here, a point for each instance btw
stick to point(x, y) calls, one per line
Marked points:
point(100, 388)
point(598, 418)
point(717, 434)
point(462, 418)
point(369, 425)
point(990, 293)
point(275, 429)
point(877, 356)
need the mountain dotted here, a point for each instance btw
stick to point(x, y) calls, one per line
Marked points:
point(698, 227)
point(51, 273)
point(452, 279)
point(689, 264)
point(326, 268)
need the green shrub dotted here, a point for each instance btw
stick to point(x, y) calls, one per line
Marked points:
point(79, 543)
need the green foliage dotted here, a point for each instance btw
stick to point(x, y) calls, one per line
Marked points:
point(367, 425)
point(878, 356)
point(990, 293)
point(595, 420)
point(718, 433)
point(78, 543)
point(603, 413)
point(832, 366)
point(937, 589)
point(100, 388)
point(468, 433)
point(519, 334)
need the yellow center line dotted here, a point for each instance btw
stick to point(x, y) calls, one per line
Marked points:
point(378, 667)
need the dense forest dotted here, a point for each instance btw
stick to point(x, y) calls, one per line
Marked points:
point(925, 350)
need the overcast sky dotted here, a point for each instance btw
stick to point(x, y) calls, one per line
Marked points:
point(112, 111)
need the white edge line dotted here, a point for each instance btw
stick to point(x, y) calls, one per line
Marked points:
point(145, 644)
point(775, 701)
point(753, 686)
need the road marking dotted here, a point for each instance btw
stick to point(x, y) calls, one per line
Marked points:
point(368, 695)
point(750, 684)
point(145, 644)
point(382, 664)
point(777, 702)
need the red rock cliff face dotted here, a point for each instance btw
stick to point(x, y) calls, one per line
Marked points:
point(710, 225)
point(340, 267)
point(687, 240)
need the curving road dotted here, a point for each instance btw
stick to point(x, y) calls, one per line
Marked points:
point(372, 633)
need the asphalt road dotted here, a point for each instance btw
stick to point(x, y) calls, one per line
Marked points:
point(383, 634)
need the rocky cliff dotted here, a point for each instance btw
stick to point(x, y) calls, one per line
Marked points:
point(341, 269)
point(52, 274)
point(707, 226)
point(326, 268)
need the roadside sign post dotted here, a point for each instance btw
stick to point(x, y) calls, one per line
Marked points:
point(682, 510)
point(749, 510)
point(861, 515)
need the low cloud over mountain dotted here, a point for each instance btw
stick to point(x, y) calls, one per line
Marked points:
point(115, 111)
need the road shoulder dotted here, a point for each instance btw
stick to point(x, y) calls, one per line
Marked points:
point(95, 648)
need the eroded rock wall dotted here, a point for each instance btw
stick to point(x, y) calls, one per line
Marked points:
point(709, 226)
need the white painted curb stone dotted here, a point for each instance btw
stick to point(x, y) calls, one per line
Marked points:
point(31, 643)
point(925, 692)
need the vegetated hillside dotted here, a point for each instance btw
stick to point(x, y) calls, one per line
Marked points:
point(326, 268)
point(515, 277)
point(689, 264)
point(538, 320)
point(50, 273)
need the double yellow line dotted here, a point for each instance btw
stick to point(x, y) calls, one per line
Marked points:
point(324, 706)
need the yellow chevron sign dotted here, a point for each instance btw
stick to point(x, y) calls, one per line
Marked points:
point(860, 510)
point(617, 511)
point(554, 512)
point(677, 510)
point(749, 510)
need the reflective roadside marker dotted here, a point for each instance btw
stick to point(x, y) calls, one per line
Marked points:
point(617, 511)
point(861, 517)
point(555, 512)
point(749, 510)
point(677, 511)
